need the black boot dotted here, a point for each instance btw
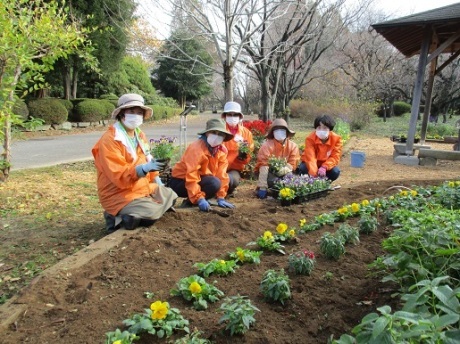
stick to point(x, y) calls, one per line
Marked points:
point(130, 222)
point(110, 223)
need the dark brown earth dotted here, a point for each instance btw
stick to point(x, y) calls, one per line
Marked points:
point(92, 292)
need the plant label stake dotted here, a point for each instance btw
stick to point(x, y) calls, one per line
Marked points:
point(183, 128)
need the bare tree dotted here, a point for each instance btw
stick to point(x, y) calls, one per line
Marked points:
point(375, 68)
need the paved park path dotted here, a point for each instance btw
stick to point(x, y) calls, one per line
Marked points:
point(53, 150)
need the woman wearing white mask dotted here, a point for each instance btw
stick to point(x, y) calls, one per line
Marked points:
point(129, 188)
point(201, 173)
point(237, 159)
point(323, 150)
point(278, 144)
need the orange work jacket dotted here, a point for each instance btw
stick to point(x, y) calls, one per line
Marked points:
point(117, 181)
point(196, 162)
point(317, 153)
point(245, 135)
point(272, 147)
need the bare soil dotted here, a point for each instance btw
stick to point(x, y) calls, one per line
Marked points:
point(94, 290)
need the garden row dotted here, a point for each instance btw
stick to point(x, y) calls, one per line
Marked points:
point(423, 257)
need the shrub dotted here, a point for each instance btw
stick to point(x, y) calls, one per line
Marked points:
point(68, 104)
point(51, 110)
point(112, 98)
point(20, 109)
point(401, 108)
point(90, 110)
point(109, 107)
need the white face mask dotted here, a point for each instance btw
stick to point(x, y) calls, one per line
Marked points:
point(279, 134)
point(132, 121)
point(232, 120)
point(322, 134)
point(214, 140)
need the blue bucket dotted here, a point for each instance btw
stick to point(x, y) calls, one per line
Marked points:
point(357, 159)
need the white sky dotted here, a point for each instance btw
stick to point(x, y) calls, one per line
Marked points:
point(393, 8)
point(401, 8)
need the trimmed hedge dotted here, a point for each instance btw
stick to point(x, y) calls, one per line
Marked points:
point(50, 110)
point(91, 110)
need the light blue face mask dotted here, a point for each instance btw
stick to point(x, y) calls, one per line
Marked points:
point(132, 121)
point(214, 140)
point(279, 134)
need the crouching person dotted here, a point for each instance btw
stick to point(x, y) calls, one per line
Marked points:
point(201, 173)
point(128, 183)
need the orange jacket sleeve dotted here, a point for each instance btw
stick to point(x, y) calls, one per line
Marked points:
point(197, 161)
point(317, 154)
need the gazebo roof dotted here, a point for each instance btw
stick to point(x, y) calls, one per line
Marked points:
point(407, 33)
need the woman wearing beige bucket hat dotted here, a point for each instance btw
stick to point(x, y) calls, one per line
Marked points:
point(129, 188)
point(201, 173)
point(278, 144)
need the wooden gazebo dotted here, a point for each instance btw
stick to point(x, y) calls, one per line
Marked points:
point(427, 34)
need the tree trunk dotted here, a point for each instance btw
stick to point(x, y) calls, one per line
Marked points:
point(265, 99)
point(5, 163)
point(67, 82)
point(74, 83)
point(228, 82)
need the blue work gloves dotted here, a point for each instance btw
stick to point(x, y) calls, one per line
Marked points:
point(262, 193)
point(203, 205)
point(151, 166)
point(221, 202)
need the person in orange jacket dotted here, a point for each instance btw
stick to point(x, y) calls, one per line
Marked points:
point(323, 150)
point(128, 183)
point(242, 138)
point(201, 173)
point(278, 144)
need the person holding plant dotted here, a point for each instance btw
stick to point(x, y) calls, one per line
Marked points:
point(240, 147)
point(129, 188)
point(277, 156)
point(323, 150)
point(201, 173)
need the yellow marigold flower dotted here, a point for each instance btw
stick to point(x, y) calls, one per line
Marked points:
point(451, 184)
point(287, 193)
point(117, 342)
point(281, 228)
point(392, 197)
point(268, 235)
point(403, 193)
point(413, 193)
point(342, 210)
point(160, 309)
point(222, 262)
point(365, 203)
point(302, 222)
point(457, 183)
point(378, 205)
point(355, 207)
point(292, 233)
point(195, 287)
point(240, 254)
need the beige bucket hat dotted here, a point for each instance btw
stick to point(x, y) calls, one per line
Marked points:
point(130, 100)
point(279, 123)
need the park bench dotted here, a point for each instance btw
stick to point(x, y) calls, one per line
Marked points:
point(430, 157)
point(400, 149)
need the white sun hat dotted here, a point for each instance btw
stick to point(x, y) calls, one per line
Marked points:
point(130, 100)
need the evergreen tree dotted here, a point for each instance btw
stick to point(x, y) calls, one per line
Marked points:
point(180, 77)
